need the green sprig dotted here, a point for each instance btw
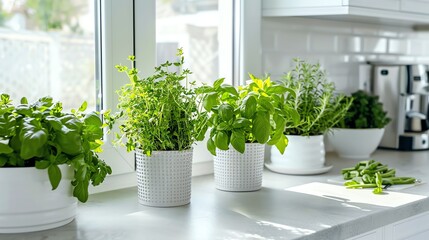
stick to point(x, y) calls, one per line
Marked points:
point(314, 98)
point(159, 112)
point(373, 174)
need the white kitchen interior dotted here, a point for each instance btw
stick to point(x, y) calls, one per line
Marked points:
point(339, 46)
point(265, 37)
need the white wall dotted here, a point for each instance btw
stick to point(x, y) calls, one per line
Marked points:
point(338, 46)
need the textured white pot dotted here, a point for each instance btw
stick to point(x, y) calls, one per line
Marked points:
point(164, 178)
point(302, 153)
point(27, 202)
point(355, 143)
point(237, 172)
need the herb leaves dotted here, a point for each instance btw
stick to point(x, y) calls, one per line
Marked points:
point(314, 98)
point(41, 135)
point(253, 114)
point(160, 112)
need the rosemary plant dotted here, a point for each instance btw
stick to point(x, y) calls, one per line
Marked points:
point(314, 98)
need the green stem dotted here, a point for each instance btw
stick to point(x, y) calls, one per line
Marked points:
point(362, 186)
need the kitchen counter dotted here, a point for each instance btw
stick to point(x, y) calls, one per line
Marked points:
point(277, 211)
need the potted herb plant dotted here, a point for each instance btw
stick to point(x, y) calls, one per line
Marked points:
point(364, 124)
point(319, 108)
point(159, 120)
point(241, 122)
point(41, 136)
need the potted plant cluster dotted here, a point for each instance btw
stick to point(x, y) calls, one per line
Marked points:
point(363, 124)
point(319, 108)
point(159, 119)
point(240, 123)
point(41, 136)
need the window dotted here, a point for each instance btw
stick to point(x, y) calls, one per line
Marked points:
point(47, 48)
point(68, 50)
point(193, 26)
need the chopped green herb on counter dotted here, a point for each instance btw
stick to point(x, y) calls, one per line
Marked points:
point(373, 174)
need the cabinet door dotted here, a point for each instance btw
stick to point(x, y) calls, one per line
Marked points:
point(415, 228)
point(376, 234)
point(268, 4)
point(415, 6)
point(379, 4)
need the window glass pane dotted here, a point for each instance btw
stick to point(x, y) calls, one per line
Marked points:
point(193, 26)
point(47, 49)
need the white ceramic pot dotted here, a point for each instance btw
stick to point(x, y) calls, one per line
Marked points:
point(28, 203)
point(237, 172)
point(164, 178)
point(355, 143)
point(302, 153)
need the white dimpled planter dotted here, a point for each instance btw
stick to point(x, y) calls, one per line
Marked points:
point(237, 172)
point(28, 203)
point(164, 178)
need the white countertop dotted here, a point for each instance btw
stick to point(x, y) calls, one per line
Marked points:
point(271, 213)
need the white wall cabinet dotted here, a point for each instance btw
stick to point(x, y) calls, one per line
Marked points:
point(413, 228)
point(415, 6)
point(396, 12)
point(372, 235)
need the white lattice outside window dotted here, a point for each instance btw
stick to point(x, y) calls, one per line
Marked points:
point(47, 48)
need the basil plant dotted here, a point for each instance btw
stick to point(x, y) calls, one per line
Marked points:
point(41, 135)
point(255, 113)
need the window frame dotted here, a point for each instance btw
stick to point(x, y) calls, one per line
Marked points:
point(116, 42)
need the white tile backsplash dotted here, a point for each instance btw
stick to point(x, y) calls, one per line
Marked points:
point(398, 46)
point(417, 47)
point(407, 59)
point(374, 45)
point(387, 33)
point(292, 42)
point(269, 41)
point(324, 43)
point(349, 44)
point(339, 46)
point(366, 31)
point(276, 60)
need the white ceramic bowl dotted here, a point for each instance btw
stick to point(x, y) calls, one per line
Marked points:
point(302, 153)
point(355, 143)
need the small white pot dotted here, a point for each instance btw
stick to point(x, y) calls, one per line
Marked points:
point(164, 178)
point(28, 203)
point(237, 172)
point(302, 153)
point(355, 143)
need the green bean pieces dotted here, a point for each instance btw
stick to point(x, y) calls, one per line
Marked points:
point(373, 174)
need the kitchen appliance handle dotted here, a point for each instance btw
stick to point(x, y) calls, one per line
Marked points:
point(414, 114)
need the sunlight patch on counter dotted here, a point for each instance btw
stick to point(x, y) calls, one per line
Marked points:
point(294, 230)
point(342, 194)
point(356, 207)
point(279, 226)
point(237, 235)
point(325, 225)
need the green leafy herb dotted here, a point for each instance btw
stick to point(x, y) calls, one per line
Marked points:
point(365, 112)
point(41, 135)
point(160, 112)
point(254, 113)
point(314, 99)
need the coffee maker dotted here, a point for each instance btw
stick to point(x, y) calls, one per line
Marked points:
point(404, 91)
